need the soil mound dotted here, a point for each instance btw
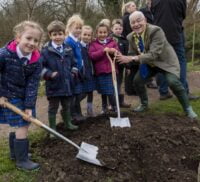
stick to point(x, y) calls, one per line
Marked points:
point(162, 148)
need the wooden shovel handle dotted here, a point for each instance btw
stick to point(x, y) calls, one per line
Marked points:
point(22, 113)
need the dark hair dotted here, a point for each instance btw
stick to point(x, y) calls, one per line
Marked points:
point(56, 26)
point(102, 25)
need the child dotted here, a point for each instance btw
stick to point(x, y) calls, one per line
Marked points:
point(73, 31)
point(58, 66)
point(89, 82)
point(102, 66)
point(20, 75)
point(117, 28)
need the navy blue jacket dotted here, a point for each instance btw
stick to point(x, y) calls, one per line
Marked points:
point(19, 80)
point(64, 64)
point(88, 70)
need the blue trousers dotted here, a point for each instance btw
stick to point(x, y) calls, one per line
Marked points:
point(180, 52)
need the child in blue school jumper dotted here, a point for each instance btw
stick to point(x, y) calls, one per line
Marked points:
point(20, 74)
point(102, 66)
point(73, 31)
point(58, 68)
point(89, 84)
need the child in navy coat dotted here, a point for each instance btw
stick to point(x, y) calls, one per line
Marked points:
point(89, 83)
point(58, 68)
point(20, 74)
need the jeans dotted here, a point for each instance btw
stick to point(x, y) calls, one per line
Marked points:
point(180, 52)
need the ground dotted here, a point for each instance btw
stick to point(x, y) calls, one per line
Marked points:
point(157, 148)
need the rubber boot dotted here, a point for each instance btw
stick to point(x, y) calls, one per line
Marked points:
point(21, 147)
point(12, 137)
point(122, 103)
point(52, 121)
point(11, 145)
point(190, 113)
point(67, 120)
point(142, 107)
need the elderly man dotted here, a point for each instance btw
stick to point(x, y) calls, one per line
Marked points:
point(153, 53)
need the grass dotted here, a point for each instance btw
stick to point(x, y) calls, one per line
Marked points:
point(8, 171)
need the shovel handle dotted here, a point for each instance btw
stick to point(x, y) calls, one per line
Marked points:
point(114, 78)
point(37, 122)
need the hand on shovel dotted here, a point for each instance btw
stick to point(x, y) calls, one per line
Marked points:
point(29, 115)
point(2, 101)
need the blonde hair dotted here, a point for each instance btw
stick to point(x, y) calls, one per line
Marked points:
point(125, 6)
point(105, 21)
point(20, 28)
point(74, 20)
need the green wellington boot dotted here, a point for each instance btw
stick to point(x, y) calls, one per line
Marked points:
point(67, 120)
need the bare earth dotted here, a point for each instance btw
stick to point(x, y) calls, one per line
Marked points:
point(42, 103)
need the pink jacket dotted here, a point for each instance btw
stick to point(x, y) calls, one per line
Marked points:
point(98, 56)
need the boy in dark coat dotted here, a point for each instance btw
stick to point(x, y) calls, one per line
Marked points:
point(58, 71)
point(117, 28)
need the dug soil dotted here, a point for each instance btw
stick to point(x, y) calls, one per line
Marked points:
point(162, 148)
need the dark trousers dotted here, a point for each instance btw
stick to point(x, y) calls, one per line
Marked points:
point(180, 52)
point(54, 104)
point(172, 80)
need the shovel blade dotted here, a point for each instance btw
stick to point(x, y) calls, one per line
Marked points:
point(120, 122)
point(88, 153)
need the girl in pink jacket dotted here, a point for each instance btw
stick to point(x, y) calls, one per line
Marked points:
point(102, 66)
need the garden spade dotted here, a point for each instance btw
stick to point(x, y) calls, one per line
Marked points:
point(86, 152)
point(121, 122)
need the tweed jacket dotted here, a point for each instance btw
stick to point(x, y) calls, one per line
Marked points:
point(158, 52)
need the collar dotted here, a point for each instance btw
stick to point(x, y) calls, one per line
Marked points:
point(20, 54)
point(55, 45)
point(83, 44)
point(72, 36)
point(103, 41)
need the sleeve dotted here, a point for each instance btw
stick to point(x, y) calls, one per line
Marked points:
point(46, 72)
point(157, 43)
point(2, 65)
point(32, 84)
point(95, 54)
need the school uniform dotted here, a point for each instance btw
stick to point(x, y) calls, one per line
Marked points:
point(19, 82)
point(89, 83)
point(74, 43)
point(103, 69)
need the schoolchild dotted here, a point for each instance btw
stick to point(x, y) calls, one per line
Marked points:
point(58, 68)
point(102, 66)
point(89, 84)
point(73, 31)
point(20, 74)
point(117, 28)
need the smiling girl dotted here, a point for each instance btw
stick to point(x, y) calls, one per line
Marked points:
point(20, 75)
point(102, 66)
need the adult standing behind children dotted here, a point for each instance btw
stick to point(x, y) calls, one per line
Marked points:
point(169, 15)
point(73, 31)
point(97, 52)
point(20, 74)
point(151, 49)
point(58, 67)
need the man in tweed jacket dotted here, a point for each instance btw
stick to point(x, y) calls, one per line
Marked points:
point(157, 55)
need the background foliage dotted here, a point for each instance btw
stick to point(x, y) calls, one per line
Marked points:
point(44, 11)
